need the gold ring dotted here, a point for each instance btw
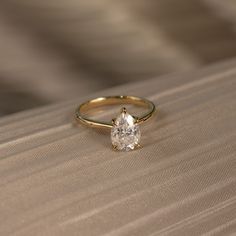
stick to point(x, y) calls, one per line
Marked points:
point(125, 131)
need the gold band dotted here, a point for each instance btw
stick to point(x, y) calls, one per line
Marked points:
point(113, 100)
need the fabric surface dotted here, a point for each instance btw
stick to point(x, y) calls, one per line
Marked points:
point(60, 178)
point(56, 50)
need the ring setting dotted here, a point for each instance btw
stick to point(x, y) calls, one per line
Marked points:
point(125, 133)
point(124, 129)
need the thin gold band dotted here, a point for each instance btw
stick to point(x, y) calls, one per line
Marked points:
point(113, 100)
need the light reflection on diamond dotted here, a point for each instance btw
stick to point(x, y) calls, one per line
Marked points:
point(125, 134)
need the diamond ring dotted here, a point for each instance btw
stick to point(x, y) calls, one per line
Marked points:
point(125, 131)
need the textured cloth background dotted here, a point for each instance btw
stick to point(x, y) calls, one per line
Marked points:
point(56, 50)
point(59, 178)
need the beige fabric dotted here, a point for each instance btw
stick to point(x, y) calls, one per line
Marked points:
point(55, 50)
point(59, 178)
point(225, 9)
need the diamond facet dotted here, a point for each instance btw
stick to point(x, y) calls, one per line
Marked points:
point(125, 133)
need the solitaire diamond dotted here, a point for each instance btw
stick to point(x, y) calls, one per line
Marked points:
point(125, 133)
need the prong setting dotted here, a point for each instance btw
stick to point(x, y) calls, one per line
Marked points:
point(114, 147)
point(125, 133)
point(123, 110)
point(136, 119)
point(113, 121)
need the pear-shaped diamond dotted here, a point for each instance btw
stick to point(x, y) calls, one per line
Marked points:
point(125, 133)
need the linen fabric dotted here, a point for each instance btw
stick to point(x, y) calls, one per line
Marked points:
point(58, 177)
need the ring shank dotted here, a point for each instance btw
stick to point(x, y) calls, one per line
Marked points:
point(113, 100)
